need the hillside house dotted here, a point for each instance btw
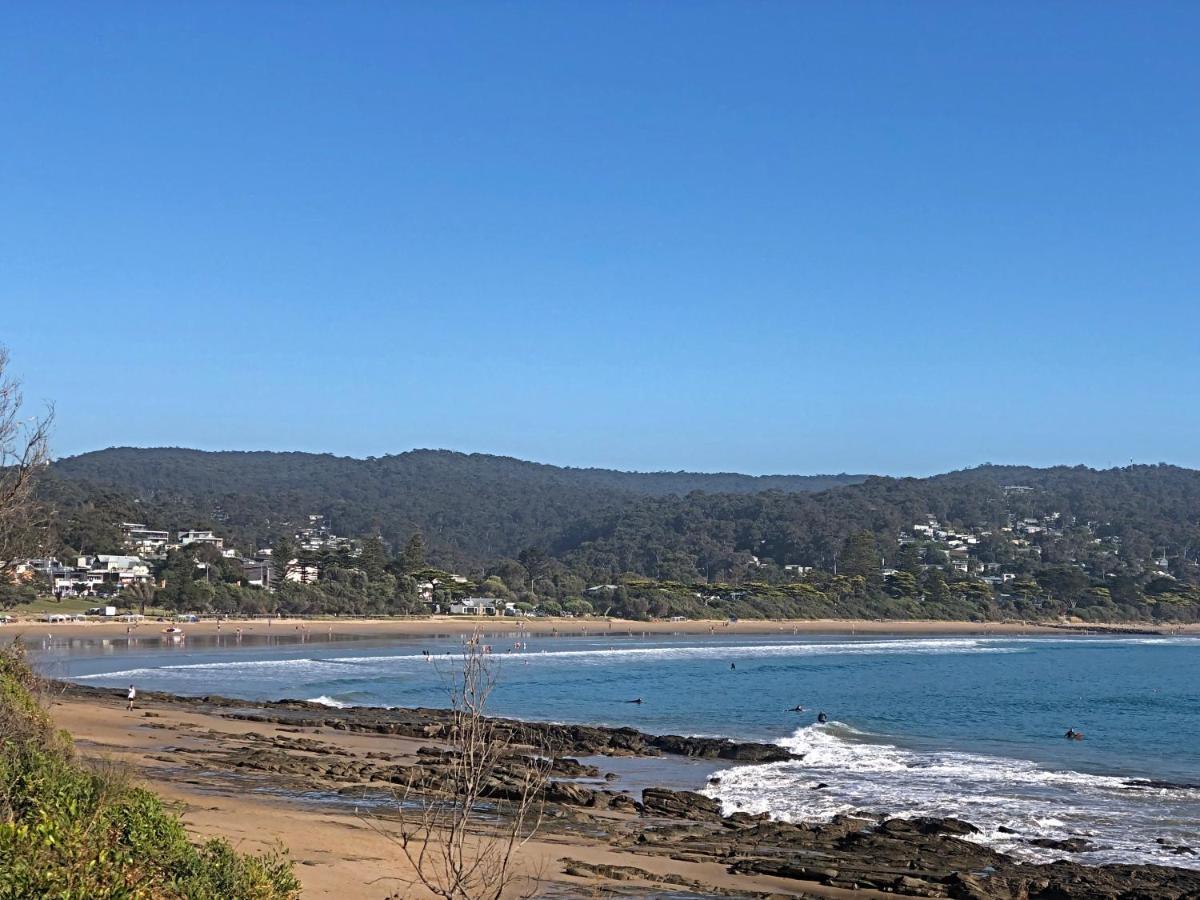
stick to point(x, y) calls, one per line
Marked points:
point(136, 536)
point(194, 536)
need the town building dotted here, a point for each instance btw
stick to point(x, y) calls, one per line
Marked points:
point(149, 541)
point(193, 536)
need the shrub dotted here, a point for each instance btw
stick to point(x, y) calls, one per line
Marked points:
point(76, 832)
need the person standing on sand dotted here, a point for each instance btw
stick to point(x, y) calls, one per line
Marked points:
point(131, 696)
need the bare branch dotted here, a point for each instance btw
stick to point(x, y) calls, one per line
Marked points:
point(24, 454)
point(461, 832)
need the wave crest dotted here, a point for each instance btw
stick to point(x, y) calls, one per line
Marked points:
point(865, 774)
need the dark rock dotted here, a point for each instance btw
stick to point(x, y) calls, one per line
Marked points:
point(1162, 785)
point(745, 818)
point(680, 805)
point(719, 748)
point(947, 825)
point(962, 886)
point(625, 803)
point(573, 794)
point(1071, 845)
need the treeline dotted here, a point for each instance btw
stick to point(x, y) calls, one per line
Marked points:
point(372, 581)
point(1124, 545)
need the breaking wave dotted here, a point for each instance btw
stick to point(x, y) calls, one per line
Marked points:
point(845, 771)
point(330, 701)
point(323, 668)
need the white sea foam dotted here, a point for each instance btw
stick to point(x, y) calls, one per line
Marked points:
point(725, 651)
point(330, 701)
point(865, 775)
point(307, 668)
point(248, 667)
point(298, 671)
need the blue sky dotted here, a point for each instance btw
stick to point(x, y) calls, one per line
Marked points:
point(763, 237)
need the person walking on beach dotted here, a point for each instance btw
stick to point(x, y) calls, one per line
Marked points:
point(131, 696)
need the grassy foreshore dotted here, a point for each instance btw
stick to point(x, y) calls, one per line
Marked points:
point(434, 625)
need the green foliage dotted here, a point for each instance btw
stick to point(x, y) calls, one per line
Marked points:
point(72, 832)
point(468, 508)
point(413, 558)
point(859, 555)
point(549, 534)
point(577, 606)
point(16, 594)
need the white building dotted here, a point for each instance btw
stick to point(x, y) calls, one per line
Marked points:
point(137, 536)
point(474, 606)
point(105, 572)
point(193, 536)
point(302, 574)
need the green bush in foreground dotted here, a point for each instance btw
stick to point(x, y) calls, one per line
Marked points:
point(71, 832)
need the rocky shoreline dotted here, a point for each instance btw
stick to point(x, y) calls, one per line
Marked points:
point(433, 724)
point(920, 857)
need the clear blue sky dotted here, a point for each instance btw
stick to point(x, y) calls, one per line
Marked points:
point(753, 236)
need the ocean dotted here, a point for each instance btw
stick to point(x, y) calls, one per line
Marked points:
point(940, 725)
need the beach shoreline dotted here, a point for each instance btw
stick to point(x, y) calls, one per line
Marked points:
point(254, 772)
point(456, 625)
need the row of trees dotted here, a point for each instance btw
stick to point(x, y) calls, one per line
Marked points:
point(369, 580)
point(474, 510)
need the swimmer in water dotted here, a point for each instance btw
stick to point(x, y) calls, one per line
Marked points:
point(822, 718)
point(638, 700)
point(797, 708)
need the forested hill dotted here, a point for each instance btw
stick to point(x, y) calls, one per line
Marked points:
point(472, 508)
point(1112, 520)
point(170, 468)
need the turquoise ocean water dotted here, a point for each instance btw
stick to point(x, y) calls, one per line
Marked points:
point(942, 725)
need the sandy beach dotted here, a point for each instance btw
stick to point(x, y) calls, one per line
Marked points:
point(310, 778)
point(339, 852)
point(435, 625)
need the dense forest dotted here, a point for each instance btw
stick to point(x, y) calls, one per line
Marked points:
point(471, 508)
point(1009, 541)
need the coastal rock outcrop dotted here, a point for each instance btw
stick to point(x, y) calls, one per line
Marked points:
point(680, 805)
point(434, 724)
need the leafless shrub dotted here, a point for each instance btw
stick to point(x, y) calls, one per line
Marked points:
point(24, 452)
point(461, 829)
